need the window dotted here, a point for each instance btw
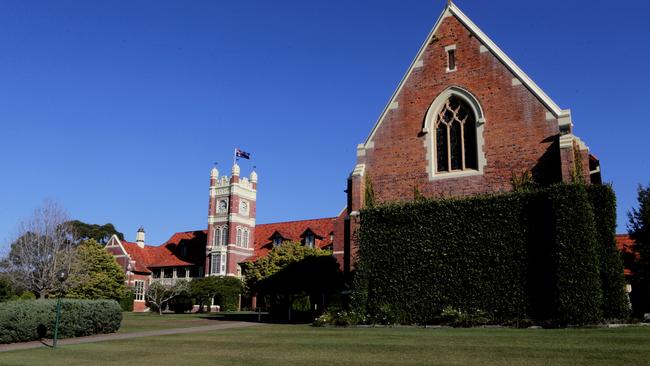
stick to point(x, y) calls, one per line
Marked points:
point(309, 240)
point(218, 264)
point(167, 272)
point(451, 57)
point(277, 240)
point(183, 250)
point(244, 241)
point(456, 137)
point(181, 272)
point(224, 236)
point(217, 236)
point(138, 290)
point(155, 273)
point(239, 237)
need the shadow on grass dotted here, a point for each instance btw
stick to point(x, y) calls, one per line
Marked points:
point(252, 317)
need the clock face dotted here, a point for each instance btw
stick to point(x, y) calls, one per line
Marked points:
point(223, 205)
point(243, 207)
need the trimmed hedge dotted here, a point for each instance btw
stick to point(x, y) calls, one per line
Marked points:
point(616, 304)
point(511, 256)
point(22, 321)
point(575, 256)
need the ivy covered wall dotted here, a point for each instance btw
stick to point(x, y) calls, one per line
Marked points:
point(546, 255)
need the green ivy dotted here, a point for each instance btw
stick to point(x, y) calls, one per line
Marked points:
point(509, 256)
point(616, 304)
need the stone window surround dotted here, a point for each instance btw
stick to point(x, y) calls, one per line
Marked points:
point(429, 133)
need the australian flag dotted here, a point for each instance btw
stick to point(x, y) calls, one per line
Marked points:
point(242, 154)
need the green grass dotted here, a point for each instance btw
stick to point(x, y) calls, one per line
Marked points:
point(305, 345)
point(139, 322)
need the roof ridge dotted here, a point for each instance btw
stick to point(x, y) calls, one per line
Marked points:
point(286, 222)
point(452, 9)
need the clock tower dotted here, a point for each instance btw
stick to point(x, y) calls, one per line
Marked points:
point(231, 222)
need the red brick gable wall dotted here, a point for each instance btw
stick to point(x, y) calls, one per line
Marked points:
point(517, 136)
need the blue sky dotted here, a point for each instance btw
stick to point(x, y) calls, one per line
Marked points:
point(119, 109)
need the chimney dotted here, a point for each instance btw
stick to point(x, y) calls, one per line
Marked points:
point(139, 237)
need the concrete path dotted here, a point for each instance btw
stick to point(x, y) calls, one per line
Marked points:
point(118, 336)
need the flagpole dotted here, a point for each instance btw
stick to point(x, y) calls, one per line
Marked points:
point(234, 157)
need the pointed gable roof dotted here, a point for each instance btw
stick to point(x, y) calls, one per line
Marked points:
point(170, 253)
point(563, 115)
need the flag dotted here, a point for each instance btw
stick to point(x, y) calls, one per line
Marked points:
point(242, 154)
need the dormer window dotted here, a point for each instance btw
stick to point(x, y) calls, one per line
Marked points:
point(183, 250)
point(277, 240)
point(309, 240)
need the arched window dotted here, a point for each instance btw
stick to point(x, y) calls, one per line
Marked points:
point(456, 137)
point(245, 238)
point(217, 236)
point(239, 237)
point(224, 236)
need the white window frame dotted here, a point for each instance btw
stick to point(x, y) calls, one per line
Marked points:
point(138, 290)
point(245, 238)
point(218, 264)
point(310, 240)
point(224, 236)
point(217, 236)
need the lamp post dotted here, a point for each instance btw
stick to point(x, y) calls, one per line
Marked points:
point(62, 275)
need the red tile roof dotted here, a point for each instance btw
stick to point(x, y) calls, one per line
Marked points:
point(182, 249)
point(292, 231)
point(188, 248)
point(626, 245)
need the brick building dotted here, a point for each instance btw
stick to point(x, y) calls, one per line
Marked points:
point(463, 120)
point(232, 237)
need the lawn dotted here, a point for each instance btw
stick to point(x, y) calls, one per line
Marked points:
point(305, 345)
point(138, 322)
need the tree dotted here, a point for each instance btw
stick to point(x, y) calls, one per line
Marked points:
point(279, 257)
point(292, 272)
point(100, 233)
point(95, 274)
point(7, 290)
point(42, 248)
point(158, 294)
point(639, 230)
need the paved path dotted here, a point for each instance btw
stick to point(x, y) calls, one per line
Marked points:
point(118, 336)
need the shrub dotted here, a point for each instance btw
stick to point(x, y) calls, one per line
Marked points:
point(27, 295)
point(338, 317)
point(126, 303)
point(20, 320)
point(459, 318)
point(181, 304)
